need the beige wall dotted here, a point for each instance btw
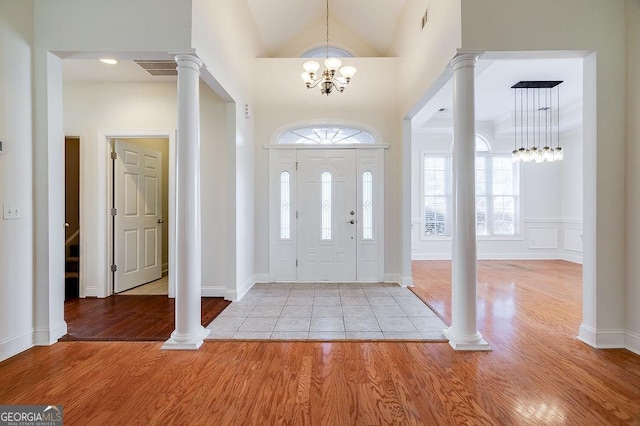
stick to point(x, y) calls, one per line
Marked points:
point(341, 37)
point(162, 145)
point(16, 177)
point(595, 29)
point(632, 224)
point(424, 53)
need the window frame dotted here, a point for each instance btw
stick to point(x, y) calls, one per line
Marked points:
point(448, 196)
point(489, 155)
point(281, 221)
point(515, 176)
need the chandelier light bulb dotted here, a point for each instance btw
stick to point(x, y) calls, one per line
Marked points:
point(557, 154)
point(332, 64)
point(306, 78)
point(536, 118)
point(348, 72)
point(311, 67)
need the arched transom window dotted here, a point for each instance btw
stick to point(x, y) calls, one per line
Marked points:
point(325, 135)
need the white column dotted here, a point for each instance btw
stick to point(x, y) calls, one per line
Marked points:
point(463, 333)
point(189, 333)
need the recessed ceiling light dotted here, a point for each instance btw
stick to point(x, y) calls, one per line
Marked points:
point(109, 61)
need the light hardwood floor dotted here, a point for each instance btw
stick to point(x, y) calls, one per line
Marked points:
point(537, 373)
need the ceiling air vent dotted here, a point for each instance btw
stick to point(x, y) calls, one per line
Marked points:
point(159, 67)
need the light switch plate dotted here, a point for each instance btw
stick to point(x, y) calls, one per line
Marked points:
point(11, 211)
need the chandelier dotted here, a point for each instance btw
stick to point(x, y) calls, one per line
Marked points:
point(536, 122)
point(327, 80)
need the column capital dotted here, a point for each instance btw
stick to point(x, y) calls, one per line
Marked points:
point(188, 60)
point(465, 58)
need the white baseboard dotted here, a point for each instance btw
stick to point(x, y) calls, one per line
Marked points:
point(431, 256)
point(213, 291)
point(602, 339)
point(577, 258)
point(16, 344)
point(632, 341)
point(261, 278)
point(407, 282)
point(393, 278)
point(518, 256)
point(91, 291)
point(49, 336)
point(237, 294)
point(573, 257)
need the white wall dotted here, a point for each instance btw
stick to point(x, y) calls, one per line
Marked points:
point(16, 236)
point(286, 101)
point(632, 224)
point(94, 108)
point(113, 26)
point(598, 29)
point(226, 39)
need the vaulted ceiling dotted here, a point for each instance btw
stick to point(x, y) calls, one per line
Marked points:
point(280, 21)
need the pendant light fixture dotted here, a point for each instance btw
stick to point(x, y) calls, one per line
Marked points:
point(328, 79)
point(536, 120)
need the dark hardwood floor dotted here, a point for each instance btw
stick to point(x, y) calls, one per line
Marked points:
point(129, 318)
point(537, 374)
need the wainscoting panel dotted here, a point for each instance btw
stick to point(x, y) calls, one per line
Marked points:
point(573, 239)
point(543, 237)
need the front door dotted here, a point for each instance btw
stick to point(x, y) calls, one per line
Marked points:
point(137, 223)
point(326, 198)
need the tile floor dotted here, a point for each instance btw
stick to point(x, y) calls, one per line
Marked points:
point(156, 287)
point(328, 311)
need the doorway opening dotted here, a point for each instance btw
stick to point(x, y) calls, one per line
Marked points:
point(139, 200)
point(72, 217)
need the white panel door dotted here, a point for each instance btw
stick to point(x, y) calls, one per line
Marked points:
point(326, 199)
point(137, 228)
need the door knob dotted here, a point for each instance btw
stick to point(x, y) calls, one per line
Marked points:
point(352, 221)
point(160, 220)
point(66, 224)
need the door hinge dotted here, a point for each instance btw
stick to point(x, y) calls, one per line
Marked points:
point(296, 165)
point(296, 214)
point(296, 263)
point(114, 268)
point(114, 212)
point(114, 155)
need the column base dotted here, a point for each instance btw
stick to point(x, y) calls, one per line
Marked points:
point(466, 343)
point(188, 342)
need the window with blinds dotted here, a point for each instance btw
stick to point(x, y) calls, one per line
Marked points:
point(504, 191)
point(437, 195)
point(497, 194)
